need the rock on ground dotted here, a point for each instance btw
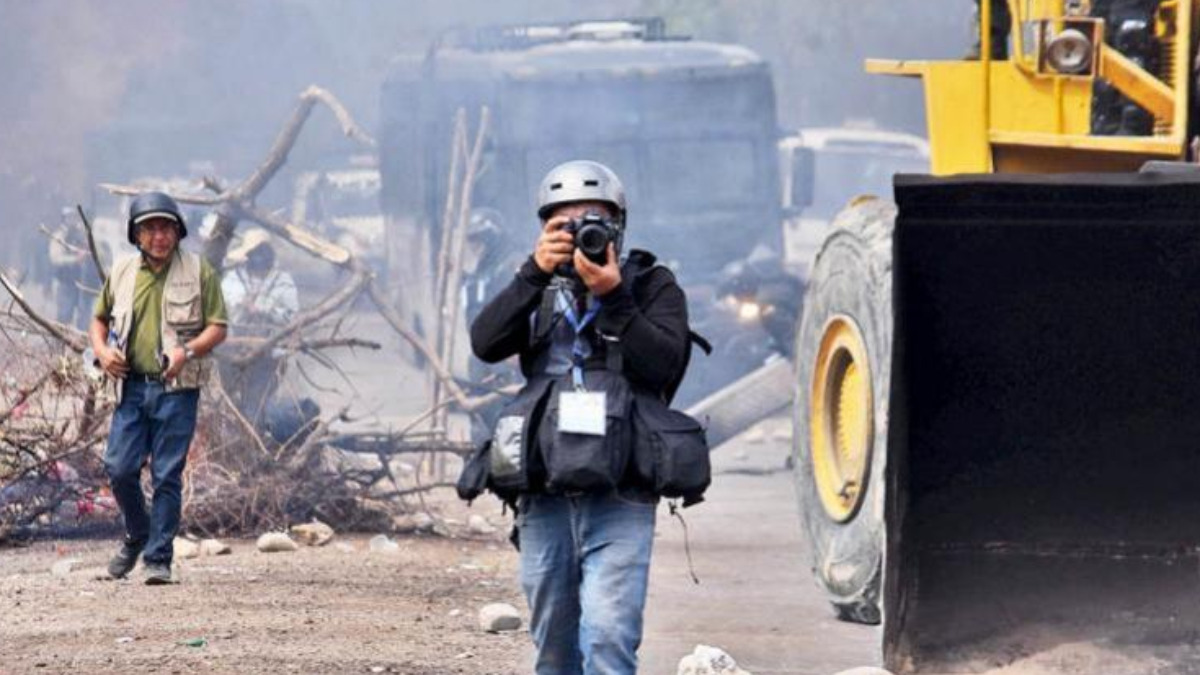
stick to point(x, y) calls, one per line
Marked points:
point(315, 533)
point(275, 542)
point(185, 548)
point(63, 568)
point(499, 616)
point(214, 547)
point(705, 660)
point(381, 544)
point(477, 524)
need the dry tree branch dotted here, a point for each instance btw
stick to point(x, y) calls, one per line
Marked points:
point(237, 414)
point(25, 393)
point(91, 242)
point(72, 338)
point(339, 299)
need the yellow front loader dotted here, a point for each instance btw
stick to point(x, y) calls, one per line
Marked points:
point(997, 410)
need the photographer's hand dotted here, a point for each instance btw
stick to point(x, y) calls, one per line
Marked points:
point(554, 246)
point(600, 279)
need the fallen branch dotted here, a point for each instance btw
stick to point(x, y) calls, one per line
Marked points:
point(91, 241)
point(72, 338)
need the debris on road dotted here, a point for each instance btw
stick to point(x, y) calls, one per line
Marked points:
point(63, 568)
point(185, 549)
point(380, 543)
point(275, 542)
point(498, 617)
point(705, 660)
point(315, 533)
point(214, 547)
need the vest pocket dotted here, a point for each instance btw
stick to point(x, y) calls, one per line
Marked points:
point(584, 462)
point(671, 452)
point(182, 311)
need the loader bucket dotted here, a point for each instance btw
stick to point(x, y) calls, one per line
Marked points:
point(1044, 444)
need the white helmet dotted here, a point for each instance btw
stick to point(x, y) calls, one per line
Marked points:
point(581, 180)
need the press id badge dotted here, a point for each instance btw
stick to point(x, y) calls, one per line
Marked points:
point(582, 412)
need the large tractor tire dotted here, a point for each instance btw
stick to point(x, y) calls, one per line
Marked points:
point(843, 370)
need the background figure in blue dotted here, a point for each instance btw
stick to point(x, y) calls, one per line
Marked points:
point(157, 318)
point(585, 555)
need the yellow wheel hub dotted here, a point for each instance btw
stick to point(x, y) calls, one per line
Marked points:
point(841, 418)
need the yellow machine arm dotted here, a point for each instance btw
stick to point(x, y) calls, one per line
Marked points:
point(1032, 113)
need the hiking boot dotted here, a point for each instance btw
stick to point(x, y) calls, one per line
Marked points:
point(123, 562)
point(158, 574)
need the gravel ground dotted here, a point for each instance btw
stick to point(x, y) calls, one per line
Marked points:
point(317, 610)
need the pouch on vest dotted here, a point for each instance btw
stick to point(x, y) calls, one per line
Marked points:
point(670, 451)
point(503, 464)
point(476, 469)
point(578, 462)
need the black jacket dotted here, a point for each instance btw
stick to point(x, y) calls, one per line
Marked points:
point(647, 313)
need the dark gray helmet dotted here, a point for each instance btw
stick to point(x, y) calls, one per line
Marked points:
point(578, 181)
point(153, 205)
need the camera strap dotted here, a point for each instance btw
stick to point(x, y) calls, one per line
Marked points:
point(578, 324)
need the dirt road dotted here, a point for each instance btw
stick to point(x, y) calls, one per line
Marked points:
point(330, 610)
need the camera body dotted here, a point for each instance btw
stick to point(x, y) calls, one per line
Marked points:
point(592, 234)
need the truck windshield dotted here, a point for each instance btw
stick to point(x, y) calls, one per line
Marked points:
point(842, 175)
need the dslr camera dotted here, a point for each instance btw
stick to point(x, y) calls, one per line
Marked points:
point(592, 234)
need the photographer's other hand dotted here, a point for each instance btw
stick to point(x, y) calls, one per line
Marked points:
point(600, 279)
point(554, 246)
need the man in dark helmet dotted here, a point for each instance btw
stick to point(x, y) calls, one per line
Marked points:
point(157, 318)
point(589, 320)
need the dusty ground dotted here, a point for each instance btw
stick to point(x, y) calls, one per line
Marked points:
point(328, 611)
point(318, 610)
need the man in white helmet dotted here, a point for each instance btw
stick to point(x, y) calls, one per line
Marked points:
point(592, 331)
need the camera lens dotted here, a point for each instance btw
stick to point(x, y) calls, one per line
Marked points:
point(593, 241)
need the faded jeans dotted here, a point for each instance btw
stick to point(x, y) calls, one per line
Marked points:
point(585, 563)
point(151, 423)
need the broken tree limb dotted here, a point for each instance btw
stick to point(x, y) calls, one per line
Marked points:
point(299, 237)
point(450, 301)
point(339, 299)
point(24, 394)
point(91, 242)
point(278, 154)
point(72, 338)
point(390, 314)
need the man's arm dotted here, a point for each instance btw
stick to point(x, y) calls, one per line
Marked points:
point(654, 338)
point(502, 327)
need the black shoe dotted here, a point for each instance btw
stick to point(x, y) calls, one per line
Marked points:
point(158, 574)
point(123, 562)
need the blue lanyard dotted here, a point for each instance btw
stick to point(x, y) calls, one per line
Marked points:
point(578, 325)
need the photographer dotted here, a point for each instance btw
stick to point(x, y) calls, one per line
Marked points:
point(592, 334)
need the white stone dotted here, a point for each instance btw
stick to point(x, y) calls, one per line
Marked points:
point(275, 542)
point(477, 524)
point(315, 533)
point(423, 522)
point(64, 567)
point(184, 548)
point(381, 544)
point(498, 617)
point(705, 660)
point(214, 547)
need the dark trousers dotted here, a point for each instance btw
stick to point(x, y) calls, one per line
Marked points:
point(151, 424)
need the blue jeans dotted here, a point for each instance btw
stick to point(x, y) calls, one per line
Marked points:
point(151, 424)
point(585, 563)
